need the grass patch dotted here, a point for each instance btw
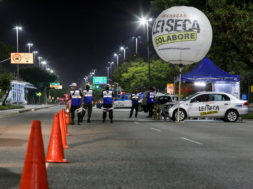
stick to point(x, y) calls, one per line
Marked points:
point(249, 116)
point(7, 107)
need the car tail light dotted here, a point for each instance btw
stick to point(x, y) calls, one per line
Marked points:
point(245, 104)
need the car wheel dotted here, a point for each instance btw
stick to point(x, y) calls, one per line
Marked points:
point(231, 116)
point(182, 115)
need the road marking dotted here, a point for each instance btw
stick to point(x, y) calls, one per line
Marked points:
point(156, 129)
point(183, 138)
point(136, 122)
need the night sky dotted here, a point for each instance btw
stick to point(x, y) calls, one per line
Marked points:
point(74, 36)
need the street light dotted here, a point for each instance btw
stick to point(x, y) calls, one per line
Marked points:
point(51, 71)
point(17, 28)
point(108, 69)
point(117, 56)
point(43, 63)
point(136, 44)
point(124, 50)
point(145, 21)
point(39, 58)
point(34, 54)
point(111, 63)
point(29, 46)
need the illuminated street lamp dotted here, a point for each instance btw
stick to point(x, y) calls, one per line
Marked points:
point(51, 71)
point(117, 56)
point(29, 46)
point(108, 70)
point(44, 62)
point(124, 50)
point(145, 21)
point(136, 44)
point(17, 28)
point(34, 54)
point(39, 58)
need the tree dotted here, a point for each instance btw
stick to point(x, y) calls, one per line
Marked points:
point(5, 86)
point(38, 77)
point(134, 75)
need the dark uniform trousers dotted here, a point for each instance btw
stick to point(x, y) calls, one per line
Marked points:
point(134, 107)
point(107, 106)
point(72, 113)
point(88, 107)
point(150, 109)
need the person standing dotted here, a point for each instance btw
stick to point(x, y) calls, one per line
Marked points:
point(135, 103)
point(108, 101)
point(150, 100)
point(76, 103)
point(87, 101)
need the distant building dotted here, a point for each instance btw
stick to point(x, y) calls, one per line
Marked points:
point(21, 93)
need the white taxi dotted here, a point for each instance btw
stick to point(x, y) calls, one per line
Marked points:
point(210, 104)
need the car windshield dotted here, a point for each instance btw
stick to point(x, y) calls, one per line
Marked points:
point(189, 97)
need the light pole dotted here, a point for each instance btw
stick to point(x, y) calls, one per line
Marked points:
point(136, 44)
point(108, 69)
point(145, 21)
point(17, 28)
point(124, 50)
point(34, 54)
point(117, 56)
point(111, 63)
point(39, 60)
point(29, 46)
point(43, 63)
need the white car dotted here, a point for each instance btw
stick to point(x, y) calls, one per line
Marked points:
point(210, 104)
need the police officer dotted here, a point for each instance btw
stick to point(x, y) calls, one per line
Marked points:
point(108, 101)
point(135, 97)
point(150, 100)
point(87, 101)
point(76, 103)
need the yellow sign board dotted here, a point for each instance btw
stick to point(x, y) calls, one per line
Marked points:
point(170, 88)
point(21, 58)
point(251, 88)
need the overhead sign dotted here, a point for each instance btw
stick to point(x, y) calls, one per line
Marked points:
point(21, 58)
point(182, 35)
point(54, 84)
point(99, 80)
point(58, 87)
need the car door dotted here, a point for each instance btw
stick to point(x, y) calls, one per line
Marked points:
point(197, 104)
point(220, 103)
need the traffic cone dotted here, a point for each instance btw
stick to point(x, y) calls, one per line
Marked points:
point(55, 153)
point(67, 118)
point(63, 130)
point(34, 174)
point(65, 123)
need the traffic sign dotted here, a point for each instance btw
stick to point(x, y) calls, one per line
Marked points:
point(21, 58)
point(99, 80)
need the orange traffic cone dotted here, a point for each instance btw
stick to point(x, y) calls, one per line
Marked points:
point(65, 123)
point(55, 153)
point(67, 118)
point(34, 173)
point(63, 130)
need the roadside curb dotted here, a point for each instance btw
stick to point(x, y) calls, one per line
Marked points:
point(25, 110)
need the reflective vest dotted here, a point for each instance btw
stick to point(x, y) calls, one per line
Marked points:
point(151, 97)
point(76, 98)
point(107, 97)
point(135, 98)
point(87, 96)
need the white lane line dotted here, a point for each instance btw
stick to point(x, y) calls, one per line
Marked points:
point(183, 138)
point(136, 122)
point(156, 129)
point(47, 164)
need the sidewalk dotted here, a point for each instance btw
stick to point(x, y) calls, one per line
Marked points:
point(27, 108)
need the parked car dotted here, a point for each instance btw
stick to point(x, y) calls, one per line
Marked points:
point(210, 104)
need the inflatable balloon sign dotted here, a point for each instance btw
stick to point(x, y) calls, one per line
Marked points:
point(182, 35)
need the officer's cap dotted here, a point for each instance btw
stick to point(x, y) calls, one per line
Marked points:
point(73, 85)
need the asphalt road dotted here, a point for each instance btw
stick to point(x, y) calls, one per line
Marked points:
point(135, 153)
